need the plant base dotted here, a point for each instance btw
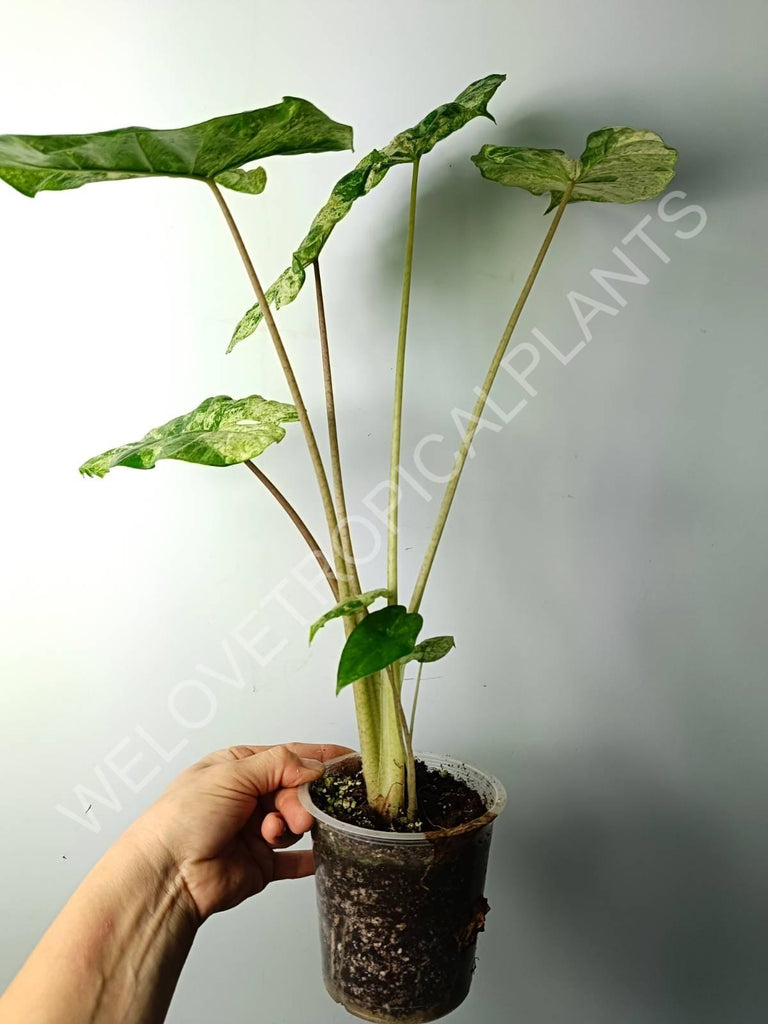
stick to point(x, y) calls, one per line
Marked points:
point(400, 912)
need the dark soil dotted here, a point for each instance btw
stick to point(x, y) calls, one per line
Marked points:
point(444, 801)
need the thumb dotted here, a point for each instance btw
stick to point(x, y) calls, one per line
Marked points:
point(277, 768)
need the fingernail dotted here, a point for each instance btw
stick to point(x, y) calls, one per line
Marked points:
point(310, 762)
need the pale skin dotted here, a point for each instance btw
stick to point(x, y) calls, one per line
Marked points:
point(215, 837)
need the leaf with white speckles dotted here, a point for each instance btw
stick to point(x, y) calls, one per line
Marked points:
point(211, 151)
point(251, 182)
point(352, 605)
point(618, 165)
point(403, 149)
point(433, 649)
point(221, 431)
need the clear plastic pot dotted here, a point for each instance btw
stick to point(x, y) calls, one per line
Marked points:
point(400, 912)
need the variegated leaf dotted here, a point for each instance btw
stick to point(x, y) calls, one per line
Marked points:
point(352, 605)
point(432, 649)
point(618, 165)
point(221, 431)
point(404, 148)
point(213, 150)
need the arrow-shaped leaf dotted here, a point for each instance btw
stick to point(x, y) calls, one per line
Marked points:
point(618, 165)
point(213, 150)
point(404, 148)
point(432, 649)
point(382, 638)
point(221, 431)
point(351, 606)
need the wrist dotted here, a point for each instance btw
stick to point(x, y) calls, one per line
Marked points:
point(116, 950)
point(152, 865)
point(143, 924)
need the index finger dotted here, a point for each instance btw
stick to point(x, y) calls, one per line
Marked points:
point(286, 801)
point(315, 751)
point(319, 751)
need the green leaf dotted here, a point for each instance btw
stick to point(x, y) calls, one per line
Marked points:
point(213, 150)
point(349, 607)
point(404, 148)
point(252, 182)
point(221, 431)
point(618, 165)
point(382, 638)
point(433, 649)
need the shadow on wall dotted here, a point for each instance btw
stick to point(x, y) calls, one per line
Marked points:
point(643, 890)
point(458, 217)
point(686, 122)
point(475, 241)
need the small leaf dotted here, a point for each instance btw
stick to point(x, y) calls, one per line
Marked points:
point(618, 165)
point(403, 149)
point(382, 638)
point(212, 150)
point(221, 431)
point(252, 182)
point(349, 607)
point(433, 649)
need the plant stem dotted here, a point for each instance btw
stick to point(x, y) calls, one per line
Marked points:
point(333, 438)
point(410, 761)
point(366, 691)
point(293, 387)
point(391, 755)
point(394, 749)
point(366, 706)
point(299, 523)
point(466, 443)
point(397, 411)
point(394, 742)
point(416, 697)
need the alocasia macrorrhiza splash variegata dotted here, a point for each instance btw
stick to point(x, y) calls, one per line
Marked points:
point(618, 165)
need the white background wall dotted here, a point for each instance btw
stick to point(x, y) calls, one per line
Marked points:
point(604, 571)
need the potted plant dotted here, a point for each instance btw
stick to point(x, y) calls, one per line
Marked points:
point(401, 839)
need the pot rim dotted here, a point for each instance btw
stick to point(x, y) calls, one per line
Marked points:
point(494, 793)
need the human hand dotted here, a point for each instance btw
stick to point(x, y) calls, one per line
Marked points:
point(117, 948)
point(222, 821)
